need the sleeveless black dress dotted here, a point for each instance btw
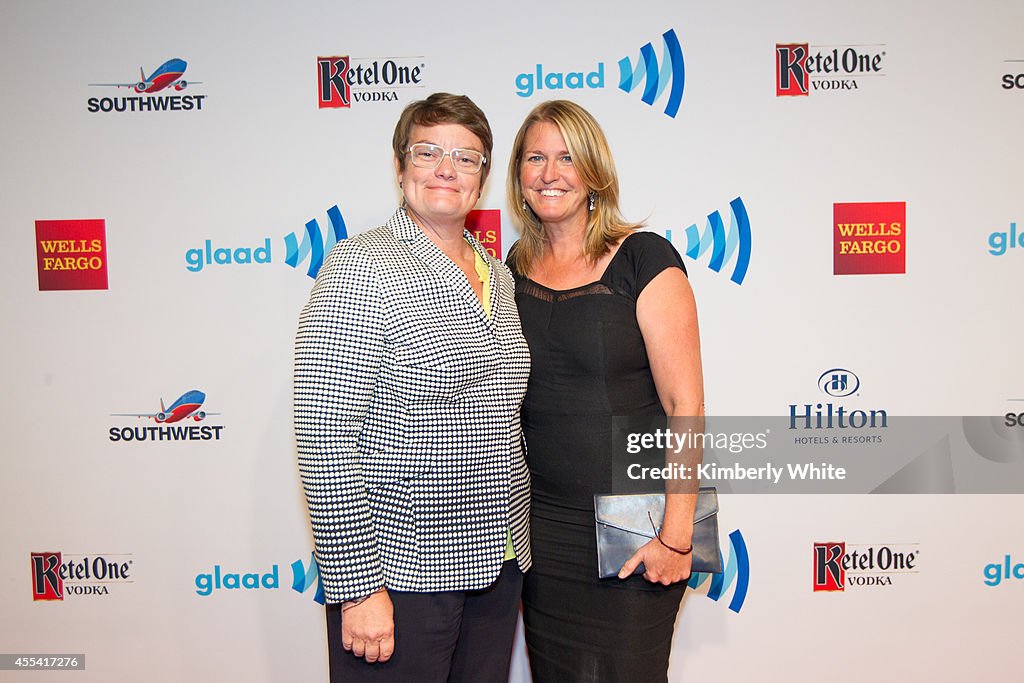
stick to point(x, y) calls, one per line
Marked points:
point(589, 363)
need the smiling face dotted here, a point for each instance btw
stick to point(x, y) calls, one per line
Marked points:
point(440, 197)
point(549, 180)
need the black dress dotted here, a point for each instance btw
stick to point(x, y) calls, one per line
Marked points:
point(589, 363)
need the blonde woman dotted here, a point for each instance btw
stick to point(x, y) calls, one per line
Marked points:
point(611, 323)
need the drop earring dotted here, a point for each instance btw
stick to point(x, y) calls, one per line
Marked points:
point(593, 199)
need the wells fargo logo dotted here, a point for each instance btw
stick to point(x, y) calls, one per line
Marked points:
point(869, 238)
point(485, 225)
point(71, 254)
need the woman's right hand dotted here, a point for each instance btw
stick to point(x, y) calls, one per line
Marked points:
point(368, 628)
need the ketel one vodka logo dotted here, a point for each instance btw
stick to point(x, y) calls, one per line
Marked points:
point(342, 80)
point(838, 565)
point(801, 68)
point(56, 575)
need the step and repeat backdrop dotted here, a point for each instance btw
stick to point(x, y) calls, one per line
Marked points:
point(844, 182)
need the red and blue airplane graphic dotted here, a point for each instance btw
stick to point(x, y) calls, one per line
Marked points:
point(188, 405)
point(166, 75)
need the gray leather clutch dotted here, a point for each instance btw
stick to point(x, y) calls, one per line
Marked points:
point(623, 526)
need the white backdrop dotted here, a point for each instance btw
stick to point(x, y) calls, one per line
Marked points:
point(933, 128)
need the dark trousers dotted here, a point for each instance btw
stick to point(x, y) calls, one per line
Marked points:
point(455, 636)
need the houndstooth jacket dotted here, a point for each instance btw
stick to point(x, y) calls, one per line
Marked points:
point(406, 406)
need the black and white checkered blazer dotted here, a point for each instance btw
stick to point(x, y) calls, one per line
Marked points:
point(407, 402)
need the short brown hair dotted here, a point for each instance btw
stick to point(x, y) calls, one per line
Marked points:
point(437, 109)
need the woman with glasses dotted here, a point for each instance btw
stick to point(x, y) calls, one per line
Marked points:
point(612, 327)
point(410, 368)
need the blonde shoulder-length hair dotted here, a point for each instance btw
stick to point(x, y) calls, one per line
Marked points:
point(592, 159)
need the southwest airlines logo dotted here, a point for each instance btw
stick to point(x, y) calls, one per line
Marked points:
point(737, 570)
point(315, 245)
point(169, 75)
point(188, 406)
point(726, 246)
point(303, 578)
point(657, 78)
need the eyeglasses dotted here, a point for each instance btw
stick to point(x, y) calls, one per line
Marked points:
point(425, 155)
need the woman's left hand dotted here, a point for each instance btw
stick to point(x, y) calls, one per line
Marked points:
point(663, 566)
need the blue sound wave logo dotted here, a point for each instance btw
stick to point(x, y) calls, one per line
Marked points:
point(314, 244)
point(737, 570)
point(303, 579)
point(671, 74)
point(724, 244)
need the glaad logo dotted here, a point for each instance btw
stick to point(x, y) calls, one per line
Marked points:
point(196, 259)
point(528, 83)
point(218, 579)
point(315, 245)
point(56, 575)
point(838, 382)
point(737, 569)
point(723, 244)
point(800, 69)
point(340, 80)
point(657, 78)
point(671, 71)
point(186, 407)
point(303, 579)
point(995, 573)
point(836, 566)
point(999, 242)
point(167, 75)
